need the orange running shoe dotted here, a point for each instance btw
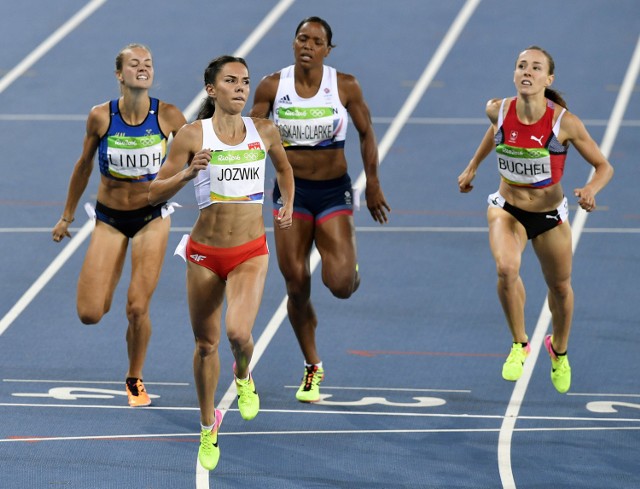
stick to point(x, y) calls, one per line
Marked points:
point(136, 393)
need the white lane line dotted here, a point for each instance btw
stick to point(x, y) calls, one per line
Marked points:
point(385, 389)
point(333, 412)
point(520, 389)
point(91, 382)
point(601, 394)
point(45, 277)
point(7, 80)
point(49, 43)
point(146, 437)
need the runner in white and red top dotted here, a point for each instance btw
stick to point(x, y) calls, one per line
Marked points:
point(530, 134)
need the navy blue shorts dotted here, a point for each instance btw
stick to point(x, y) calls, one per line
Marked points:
point(128, 222)
point(319, 200)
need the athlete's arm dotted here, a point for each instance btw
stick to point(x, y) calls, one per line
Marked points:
point(96, 126)
point(284, 173)
point(572, 129)
point(183, 163)
point(264, 96)
point(353, 100)
point(485, 147)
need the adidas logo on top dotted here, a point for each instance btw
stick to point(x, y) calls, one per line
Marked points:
point(284, 100)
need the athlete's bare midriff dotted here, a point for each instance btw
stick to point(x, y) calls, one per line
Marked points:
point(123, 196)
point(317, 164)
point(532, 199)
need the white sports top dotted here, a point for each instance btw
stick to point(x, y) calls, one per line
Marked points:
point(318, 122)
point(236, 173)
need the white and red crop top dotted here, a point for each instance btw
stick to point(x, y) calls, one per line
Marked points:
point(530, 155)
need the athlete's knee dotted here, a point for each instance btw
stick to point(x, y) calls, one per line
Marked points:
point(137, 312)
point(239, 337)
point(342, 285)
point(90, 315)
point(343, 290)
point(561, 290)
point(298, 288)
point(206, 348)
point(508, 271)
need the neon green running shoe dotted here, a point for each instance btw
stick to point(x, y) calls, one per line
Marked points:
point(209, 451)
point(512, 368)
point(560, 369)
point(248, 399)
point(309, 390)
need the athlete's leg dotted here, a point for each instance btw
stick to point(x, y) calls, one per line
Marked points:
point(293, 247)
point(553, 249)
point(205, 293)
point(245, 286)
point(508, 239)
point(100, 272)
point(336, 243)
point(148, 248)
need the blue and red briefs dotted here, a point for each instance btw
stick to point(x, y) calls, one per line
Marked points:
point(318, 200)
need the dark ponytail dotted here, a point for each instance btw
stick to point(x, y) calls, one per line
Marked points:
point(208, 107)
point(555, 97)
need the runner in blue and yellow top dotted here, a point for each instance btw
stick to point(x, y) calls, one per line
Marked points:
point(130, 136)
point(226, 252)
point(311, 104)
point(530, 134)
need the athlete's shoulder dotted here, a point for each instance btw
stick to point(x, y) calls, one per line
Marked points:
point(191, 131)
point(270, 79)
point(346, 77)
point(262, 124)
point(166, 106)
point(492, 108)
point(349, 87)
point(267, 87)
point(100, 109)
point(98, 119)
point(171, 117)
point(495, 103)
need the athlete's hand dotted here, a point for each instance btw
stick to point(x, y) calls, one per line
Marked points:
point(376, 203)
point(586, 199)
point(284, 219)
point(60, 230)
point(465, 179)
point(200, 161)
